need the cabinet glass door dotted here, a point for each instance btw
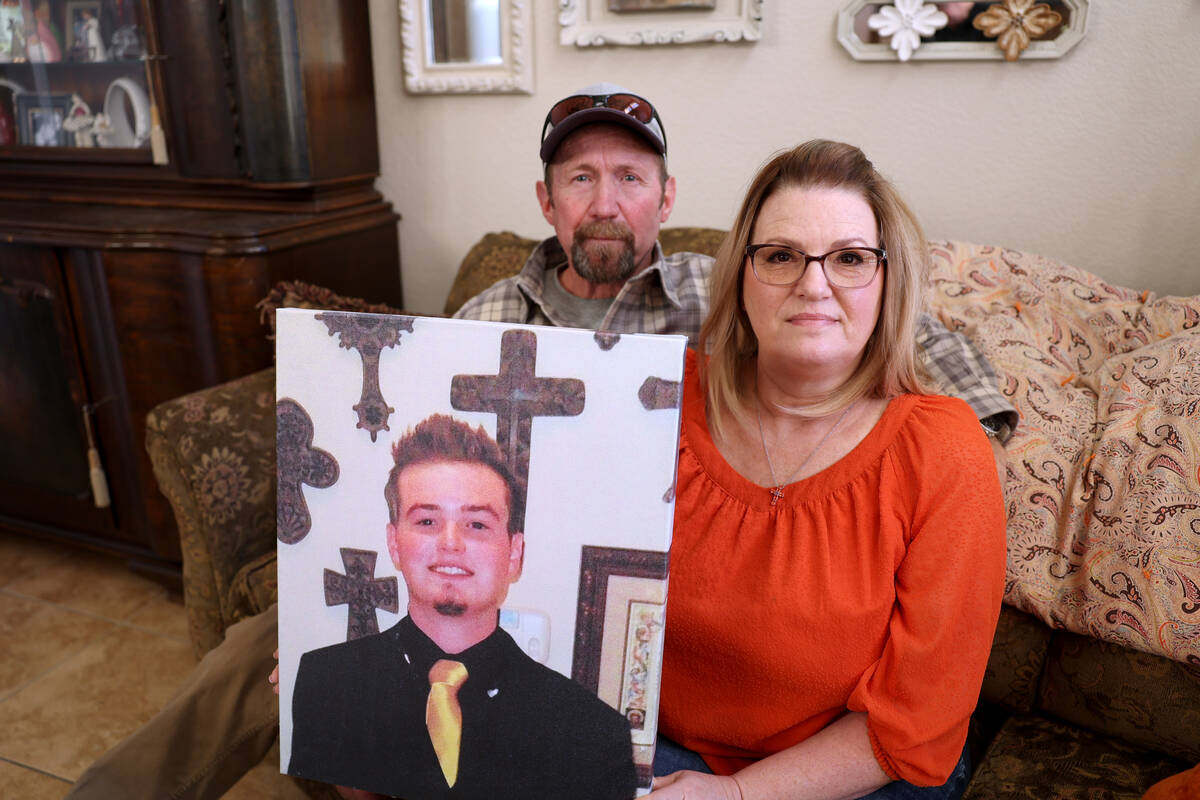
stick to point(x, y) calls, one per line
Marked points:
point(74, 83)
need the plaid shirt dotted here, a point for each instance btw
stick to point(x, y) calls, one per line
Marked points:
point(671, 296)
point(960, 370)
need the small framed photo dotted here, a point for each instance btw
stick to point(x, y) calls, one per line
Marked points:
point(12, 32)
point(84, 39)
point(40, 119)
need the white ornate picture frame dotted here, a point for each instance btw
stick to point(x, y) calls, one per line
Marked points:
point(513, 75)
point(587, 23)
point(859, 50)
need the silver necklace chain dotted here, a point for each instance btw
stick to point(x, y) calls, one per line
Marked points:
point(777, 491)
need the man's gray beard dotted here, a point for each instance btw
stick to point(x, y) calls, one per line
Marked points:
point(450, 609)
point(607, 267)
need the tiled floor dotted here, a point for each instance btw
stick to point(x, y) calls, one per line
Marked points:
point(88, 651)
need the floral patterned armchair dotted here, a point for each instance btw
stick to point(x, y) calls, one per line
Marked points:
point(1093, 686)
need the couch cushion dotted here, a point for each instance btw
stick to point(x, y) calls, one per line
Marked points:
point(691, 240)
point(1015, 664)
point(493, 258)
point(1143, 699)
point(1035, 758)
point(254, 589)
point(1102, 490)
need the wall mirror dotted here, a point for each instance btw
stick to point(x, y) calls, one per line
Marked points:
point(463, 46)
point(957, 38)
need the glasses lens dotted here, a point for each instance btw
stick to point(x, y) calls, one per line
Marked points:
point(632, 105)
point(777, 264)
point(571, 105)
point(629, 104)
point(851, 267)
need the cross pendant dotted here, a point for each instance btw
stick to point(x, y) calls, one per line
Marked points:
point(776, 493)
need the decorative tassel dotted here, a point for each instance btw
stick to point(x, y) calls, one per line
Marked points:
point(100, 495)
point(158, 140)
point(99, 481)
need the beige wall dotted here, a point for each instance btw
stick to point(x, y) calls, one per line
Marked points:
point(1093, 159)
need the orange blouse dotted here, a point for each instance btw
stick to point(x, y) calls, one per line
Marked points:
point(872, 586)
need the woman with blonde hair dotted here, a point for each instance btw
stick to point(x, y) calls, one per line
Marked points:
point(838, 556)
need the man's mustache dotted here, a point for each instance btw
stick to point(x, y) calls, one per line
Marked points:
point(603, 230)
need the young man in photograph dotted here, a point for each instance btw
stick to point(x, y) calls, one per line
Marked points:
point(444, 704)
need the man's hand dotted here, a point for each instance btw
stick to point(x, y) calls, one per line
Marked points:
point(688, 785)
point(273, 678)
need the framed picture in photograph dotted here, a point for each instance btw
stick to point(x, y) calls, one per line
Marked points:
point(40, 119)
point(619, 619)
point(621, 6)
point(12, 32)
point(84, 39)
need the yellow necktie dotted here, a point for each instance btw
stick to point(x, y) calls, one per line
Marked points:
point(443, 715)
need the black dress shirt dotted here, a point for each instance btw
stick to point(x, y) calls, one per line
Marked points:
point(358, 719)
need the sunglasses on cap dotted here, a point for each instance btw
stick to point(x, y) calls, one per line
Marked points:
point(629, 104)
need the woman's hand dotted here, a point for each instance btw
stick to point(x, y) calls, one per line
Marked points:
point(688, 785)
point(273, 678)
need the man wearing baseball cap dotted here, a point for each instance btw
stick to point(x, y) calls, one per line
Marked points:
point(605, 191)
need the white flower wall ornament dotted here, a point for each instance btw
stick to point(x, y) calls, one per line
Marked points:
point(906, 22)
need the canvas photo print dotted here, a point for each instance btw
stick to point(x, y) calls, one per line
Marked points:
point(473, 524)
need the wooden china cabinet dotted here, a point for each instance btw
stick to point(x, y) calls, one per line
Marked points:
point(163, 163)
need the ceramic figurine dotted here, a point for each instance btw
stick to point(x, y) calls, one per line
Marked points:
point(93, 43)
point(80, 122)
point(16, 41)
point(12, 22)
point(126, 43)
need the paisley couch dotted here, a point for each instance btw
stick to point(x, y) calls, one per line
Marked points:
point(1093, 685)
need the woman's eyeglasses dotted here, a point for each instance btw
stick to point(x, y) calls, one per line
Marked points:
point(845, 268)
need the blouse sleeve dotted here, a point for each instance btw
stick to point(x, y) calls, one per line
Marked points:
point(920, 694)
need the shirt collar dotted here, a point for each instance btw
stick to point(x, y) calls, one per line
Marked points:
point(488, 662)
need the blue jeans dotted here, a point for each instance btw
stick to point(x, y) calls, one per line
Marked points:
point(670, 757)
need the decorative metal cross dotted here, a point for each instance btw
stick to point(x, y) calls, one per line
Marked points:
point(361, 591)
point(516, 396)
point(776, 493)
point(297, 462)
point(657, 394)
point(368, 334)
